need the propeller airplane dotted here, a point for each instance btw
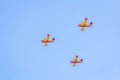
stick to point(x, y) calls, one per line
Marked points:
point(84, 24)
point(47, 40)
point(75, 61)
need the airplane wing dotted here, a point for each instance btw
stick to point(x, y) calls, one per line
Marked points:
point(81, 60)
point(85, 21)
point(82, 28)
point(47, 38)
point(74, 64)
point(46, 44)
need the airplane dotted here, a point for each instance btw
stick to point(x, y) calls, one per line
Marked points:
point(47, 40)
point(84, 24)
point(75, 61)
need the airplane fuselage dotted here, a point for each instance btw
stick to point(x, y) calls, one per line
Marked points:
point(75, 60)
point(82, 25)
point(45, 41)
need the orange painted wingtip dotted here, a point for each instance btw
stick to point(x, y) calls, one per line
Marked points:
point(48, 34)
point(45, 44)
point(86, 18)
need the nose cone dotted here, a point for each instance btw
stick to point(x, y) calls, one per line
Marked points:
point(79, 25)
point(42, 40)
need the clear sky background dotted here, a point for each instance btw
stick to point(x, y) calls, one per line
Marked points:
point(24, 23)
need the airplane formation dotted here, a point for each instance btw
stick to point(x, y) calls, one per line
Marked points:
point(83, 25)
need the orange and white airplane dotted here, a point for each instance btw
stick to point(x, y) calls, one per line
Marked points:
point(75, 61)
point(84, 24)
point(47, 40)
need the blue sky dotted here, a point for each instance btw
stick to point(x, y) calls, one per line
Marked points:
point(24, 23)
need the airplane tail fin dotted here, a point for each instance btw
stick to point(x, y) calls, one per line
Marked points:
point(82, 29)
point(90, 25)
point(81, 60)
point(53, 39)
